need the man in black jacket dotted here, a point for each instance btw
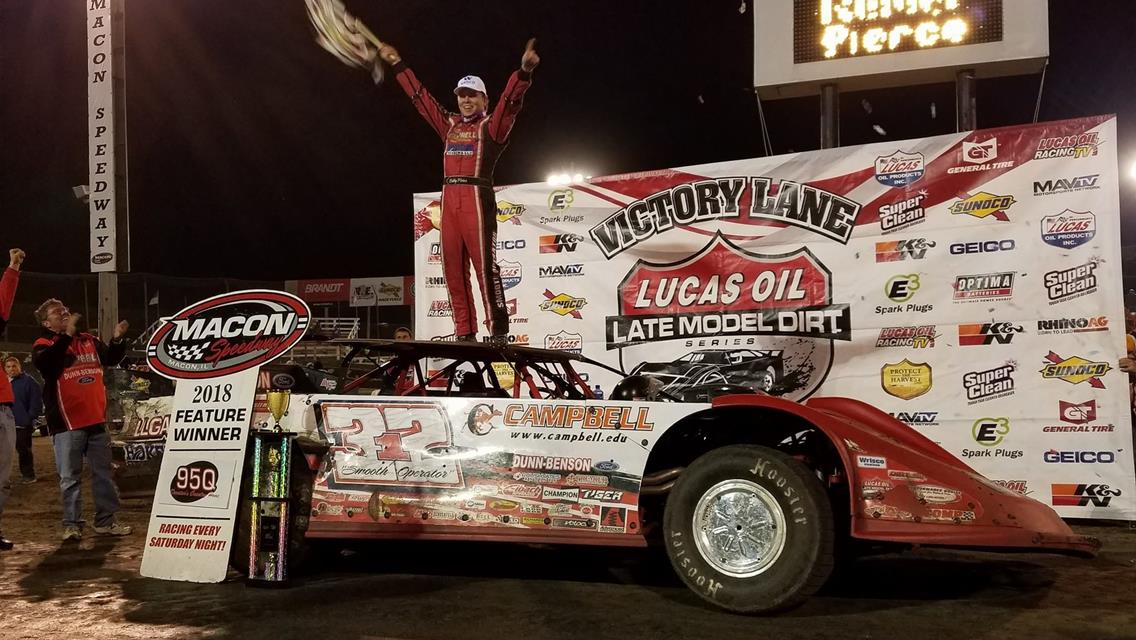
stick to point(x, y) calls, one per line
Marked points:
point(72, 362)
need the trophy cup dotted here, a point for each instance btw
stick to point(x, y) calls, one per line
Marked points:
point(271, 500)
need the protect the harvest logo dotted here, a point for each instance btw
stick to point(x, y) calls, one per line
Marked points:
point(1075, 370)
point(228, 333)
point(984, 205)
point(906, 379)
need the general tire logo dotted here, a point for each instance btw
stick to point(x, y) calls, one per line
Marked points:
point(227, 334)
point(1068, 229)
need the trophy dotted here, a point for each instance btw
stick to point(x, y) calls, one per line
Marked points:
point(278, 404)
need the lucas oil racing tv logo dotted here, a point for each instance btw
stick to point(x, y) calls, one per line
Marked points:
point(226, 334)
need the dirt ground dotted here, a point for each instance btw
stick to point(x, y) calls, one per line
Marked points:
point(486, 591)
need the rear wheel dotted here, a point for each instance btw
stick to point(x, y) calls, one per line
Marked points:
point(749, 529)
point(299, 550)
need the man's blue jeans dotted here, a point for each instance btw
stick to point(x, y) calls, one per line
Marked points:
point(70, 449)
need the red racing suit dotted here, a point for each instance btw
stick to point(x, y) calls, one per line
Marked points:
point(469, 208)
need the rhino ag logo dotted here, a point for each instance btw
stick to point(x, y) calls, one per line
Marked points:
point(226, 334)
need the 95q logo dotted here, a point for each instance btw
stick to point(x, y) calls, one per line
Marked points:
point(193, 481)
point(227, 334)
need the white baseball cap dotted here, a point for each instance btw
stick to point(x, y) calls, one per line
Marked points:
point(471, 82)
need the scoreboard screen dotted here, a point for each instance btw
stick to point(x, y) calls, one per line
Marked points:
point(840, 29)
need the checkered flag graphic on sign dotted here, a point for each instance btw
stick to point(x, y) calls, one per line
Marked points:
point(187, 353)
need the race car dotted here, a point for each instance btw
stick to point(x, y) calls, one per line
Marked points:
point(754, 497)
point(758, 370)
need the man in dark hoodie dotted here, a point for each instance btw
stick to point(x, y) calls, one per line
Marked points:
point(27, 406)
point(74, 394)
point(8, 284)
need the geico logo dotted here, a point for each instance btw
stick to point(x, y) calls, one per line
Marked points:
point(988, 246)
point(275, 324)
point(1086, 457)
point(511, 244)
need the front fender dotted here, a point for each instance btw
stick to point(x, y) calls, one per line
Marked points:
point(905, 488)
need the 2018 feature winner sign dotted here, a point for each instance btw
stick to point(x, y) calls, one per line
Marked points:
point(891, 273)
point(214, 349)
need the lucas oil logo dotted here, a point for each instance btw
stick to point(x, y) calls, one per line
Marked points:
point(509, 212)
point(899, 169)
point(984, 205)
point(564, 341)
point(227, 334)
point(440, 309)
point(1084, 145)
point(1068, 229)
point(1075, 370)
point(510, 273)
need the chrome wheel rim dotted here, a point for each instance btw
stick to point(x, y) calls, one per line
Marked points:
point(739, 528)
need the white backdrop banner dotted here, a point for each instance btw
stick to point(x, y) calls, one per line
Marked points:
point(968, 284)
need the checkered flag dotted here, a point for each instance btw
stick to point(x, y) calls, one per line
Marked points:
point(344, 36)
point(185, 353)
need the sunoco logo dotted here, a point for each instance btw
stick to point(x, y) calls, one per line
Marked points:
point(226, 334)
point(1068, 284)
point(563, 304)
point(984, 205)
point(509, 212)
point(1075, 370)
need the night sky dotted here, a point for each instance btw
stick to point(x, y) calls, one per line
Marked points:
point(255, 154)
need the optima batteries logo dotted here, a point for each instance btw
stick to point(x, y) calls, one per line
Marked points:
point(227, 334)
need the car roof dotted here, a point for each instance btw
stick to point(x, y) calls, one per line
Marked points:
point(467, 351)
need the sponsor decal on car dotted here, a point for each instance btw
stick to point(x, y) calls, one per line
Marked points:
point(527, 490)
point(871, 462)
point(1020, 487)
point(551, 463)
point(874, 488)
point(1082, 495)
point(607, 466)
point(933, 494)
point(984, 286)
point(532, 508)
point(984, 205)
point(1075, 146)
point(1069, 229)
point(601, 495)
point(906, 475)
point(899, 169)
point(586, 479)
point(903, 214)
point(971, 335)
point(1066, 185)
point(899, 250)
point(1072, 325)
point(958, 516)
point(989, 384)
point(211, 339)
point(906, 379)
point(1075, 370)
point(1062, 285)
point(572, 523)
point(613, 520)
point(532, 521)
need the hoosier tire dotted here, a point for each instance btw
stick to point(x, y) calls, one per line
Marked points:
point(749, 529)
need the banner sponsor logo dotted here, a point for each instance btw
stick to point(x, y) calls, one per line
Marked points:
point(1054, 456)
point(1072, 325)
point(915, 337)
point(899, 169)
point(1063, 285)
point(510, 273)
point(560, 242)
point(984, 286)
point(335, 290)
point(1069, 229)
point(103, 240)
point(563, 304)
point(227, 334)
point(786, 202)
point(989, 384)
point(985, 246)
point(510, 245)
point(1075, 370)
point(440, 309)
point(560, 200)
point(991, 433)
point(1080, 146)
point(903, 214)
point(980, 156)
point(726, 291)
point(897, 250)
point(561, 271)
point(906, 379)
point(917, 418)
point(435, 282)
point(1078, 415)
point(564, 341)
point(984, 205)
point(435, 255)
point(509, 212)
point(971, 335)
point(1083, 495)
point(1066, 185)
point(902, 288)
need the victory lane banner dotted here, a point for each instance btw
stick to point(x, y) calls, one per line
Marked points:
point(968, 284)
point(214, 350)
